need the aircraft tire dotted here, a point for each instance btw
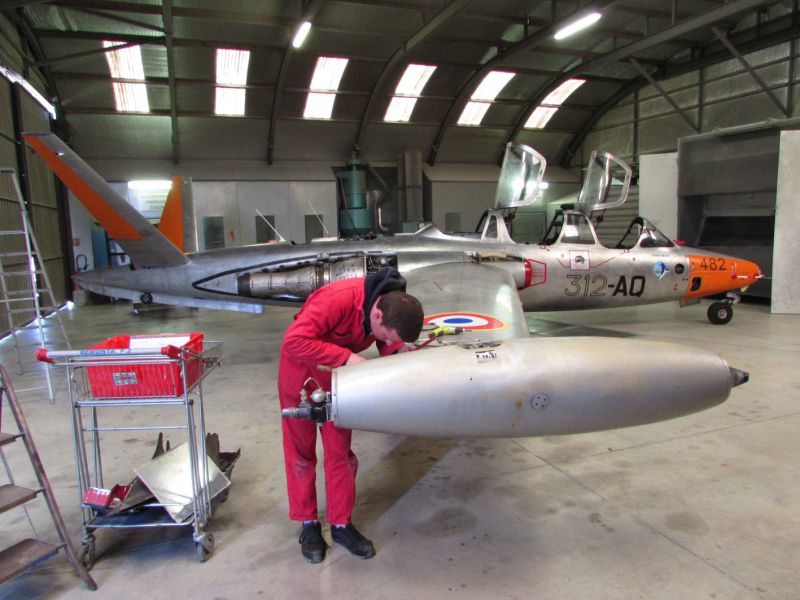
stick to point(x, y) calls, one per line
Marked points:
point(720, 313)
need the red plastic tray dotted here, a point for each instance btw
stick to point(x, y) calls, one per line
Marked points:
point(132, 380)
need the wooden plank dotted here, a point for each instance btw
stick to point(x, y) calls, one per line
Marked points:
point(14, 495)
point(22, 555)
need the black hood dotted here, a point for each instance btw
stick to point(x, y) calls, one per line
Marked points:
point(383, 281)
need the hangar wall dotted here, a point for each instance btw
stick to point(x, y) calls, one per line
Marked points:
point(719, 96)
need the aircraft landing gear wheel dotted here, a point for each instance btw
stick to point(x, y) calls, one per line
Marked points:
point(205, 547)
point(720, 313)
point(87, 553)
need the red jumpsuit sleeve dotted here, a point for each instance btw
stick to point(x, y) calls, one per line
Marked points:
point(303, 341)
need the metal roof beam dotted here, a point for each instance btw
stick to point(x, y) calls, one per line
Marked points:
point(756, 77)
point(625, 52)
point(309, 14)
point(166, 7)
point(473, 81)
point(415, 40)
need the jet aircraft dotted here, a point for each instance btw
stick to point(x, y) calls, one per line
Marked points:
point(569, 269)
point(499, 382)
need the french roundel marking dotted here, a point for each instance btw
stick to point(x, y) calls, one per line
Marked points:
point(465, 320)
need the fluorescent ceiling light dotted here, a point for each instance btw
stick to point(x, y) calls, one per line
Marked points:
point(15, 77)
point(407, 91)
point(545, 111)
point(126, 63)
point(231, 71)
point(482, 97)
point(578, 25)
point(301, 34)
point(324, 83)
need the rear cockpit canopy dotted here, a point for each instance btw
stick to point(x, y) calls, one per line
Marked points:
point(643, 234)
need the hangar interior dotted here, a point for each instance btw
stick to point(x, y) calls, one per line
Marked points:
point(699, 98)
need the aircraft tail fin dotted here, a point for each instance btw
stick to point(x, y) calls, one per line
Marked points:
point(171, 224)
point(146, 246)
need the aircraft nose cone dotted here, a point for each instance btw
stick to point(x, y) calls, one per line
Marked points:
point(747, 270)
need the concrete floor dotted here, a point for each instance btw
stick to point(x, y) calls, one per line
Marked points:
point(700, 507)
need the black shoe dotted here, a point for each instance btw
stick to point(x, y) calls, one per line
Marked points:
point(349, 537)
point(312, 545)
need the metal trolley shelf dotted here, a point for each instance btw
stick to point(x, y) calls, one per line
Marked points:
point(102, 379)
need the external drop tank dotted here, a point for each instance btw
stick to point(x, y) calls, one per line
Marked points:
point(529, 387)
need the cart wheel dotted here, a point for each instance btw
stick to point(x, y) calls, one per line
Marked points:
point(223, 495)
point(87, 553)
point(205, 547)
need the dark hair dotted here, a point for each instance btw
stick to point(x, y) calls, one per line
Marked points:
point(403, 313)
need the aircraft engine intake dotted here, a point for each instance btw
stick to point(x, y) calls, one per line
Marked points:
point(298, 283)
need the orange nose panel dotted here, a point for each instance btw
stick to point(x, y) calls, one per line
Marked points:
point(717, 274)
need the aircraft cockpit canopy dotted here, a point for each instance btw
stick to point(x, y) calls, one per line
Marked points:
point(521, 176)
point(570, 227)
point(605, 184)
point(644, 234)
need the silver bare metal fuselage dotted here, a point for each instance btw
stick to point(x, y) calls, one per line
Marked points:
point(555, 277)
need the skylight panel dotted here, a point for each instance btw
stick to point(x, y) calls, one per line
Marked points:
point(126, 63)
point(492, 85)
point(408, 90)
point(400, 109)
point(483, 96)
point(473, 113)
point(562, 92)
point(324, 84)
point(545, 111)
point(414, 80)
point(231, 78)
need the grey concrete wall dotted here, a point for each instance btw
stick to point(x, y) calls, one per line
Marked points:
point(658, 191)
point(785, 282)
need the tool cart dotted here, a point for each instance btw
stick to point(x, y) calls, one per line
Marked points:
point(145, 374)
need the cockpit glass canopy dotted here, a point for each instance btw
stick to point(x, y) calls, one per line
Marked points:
point(605, 184)
point(520, 178)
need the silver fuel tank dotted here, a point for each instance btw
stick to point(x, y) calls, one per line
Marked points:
point(529, 387)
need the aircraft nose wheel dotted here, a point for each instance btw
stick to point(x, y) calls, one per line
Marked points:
point(720, 313)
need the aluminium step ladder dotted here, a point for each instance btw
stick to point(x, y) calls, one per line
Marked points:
point(25, 290)
point(27, 553)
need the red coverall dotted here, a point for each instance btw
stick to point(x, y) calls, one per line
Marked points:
point(326, 331)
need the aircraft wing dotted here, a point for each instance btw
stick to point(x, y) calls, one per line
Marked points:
point(481, 299)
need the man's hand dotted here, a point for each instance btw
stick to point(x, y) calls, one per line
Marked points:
point(354, 359)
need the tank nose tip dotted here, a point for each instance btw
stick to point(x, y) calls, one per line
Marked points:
point(738, 377)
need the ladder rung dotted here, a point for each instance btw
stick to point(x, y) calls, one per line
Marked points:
point(13, 232)
point(18, 273)
point(15, 311)
point(7, 438)
point(33, 252)
point(14, 495)
point(23, 555)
